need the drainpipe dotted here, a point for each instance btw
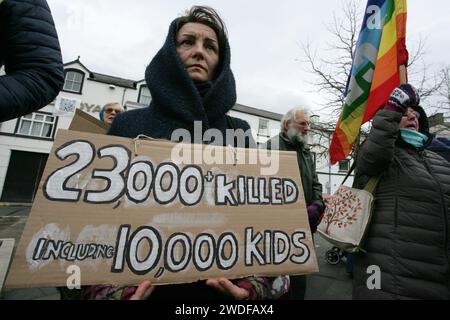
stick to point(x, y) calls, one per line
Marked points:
point(123, 95)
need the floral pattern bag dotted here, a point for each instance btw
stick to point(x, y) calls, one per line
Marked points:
point(347, 216)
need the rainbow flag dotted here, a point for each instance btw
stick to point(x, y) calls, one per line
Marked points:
point(379, 53)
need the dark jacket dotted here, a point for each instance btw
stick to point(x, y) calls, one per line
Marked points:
point(441, 145)
point(30, 52)
point(177, 103)
point(408, 237)
point(312, 188)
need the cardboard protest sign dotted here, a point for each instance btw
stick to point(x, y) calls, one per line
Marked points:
point(113, 210)
point(85, 122)
point(6, 250)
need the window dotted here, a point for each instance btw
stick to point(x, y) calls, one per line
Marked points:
point(344, 165)
point(37, 124)
point(144, 96)
point(73, 81)
point(263, 128)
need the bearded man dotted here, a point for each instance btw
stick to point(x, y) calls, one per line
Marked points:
point(294, 135)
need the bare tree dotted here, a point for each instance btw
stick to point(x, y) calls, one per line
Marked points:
point(428, 85)
point(443, 104)
point(331, 74)
point(331, 69)
point(322, 132)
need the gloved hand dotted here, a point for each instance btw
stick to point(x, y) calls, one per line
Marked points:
point(402, 97)
point(314, 215)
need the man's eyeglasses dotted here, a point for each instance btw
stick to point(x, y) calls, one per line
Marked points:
point(302, 123)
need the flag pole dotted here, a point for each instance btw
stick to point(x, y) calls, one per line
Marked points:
point(402, 71)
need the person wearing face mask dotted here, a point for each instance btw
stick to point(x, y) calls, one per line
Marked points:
point(408, 237)
point(294, 136)
point(191, 84)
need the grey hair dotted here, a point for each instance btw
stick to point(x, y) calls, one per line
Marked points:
point(290, 115)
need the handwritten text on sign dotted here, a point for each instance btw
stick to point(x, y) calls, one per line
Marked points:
point(140, 179)
point(121, 214)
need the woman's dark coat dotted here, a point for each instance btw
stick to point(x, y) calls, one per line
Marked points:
point(408, 238)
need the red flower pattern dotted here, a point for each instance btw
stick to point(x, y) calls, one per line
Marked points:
point(343, 210)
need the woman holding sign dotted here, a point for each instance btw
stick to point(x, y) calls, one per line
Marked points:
point(192, 88)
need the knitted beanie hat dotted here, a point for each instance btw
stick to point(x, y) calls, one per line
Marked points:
point(404, 96)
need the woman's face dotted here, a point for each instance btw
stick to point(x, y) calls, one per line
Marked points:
point(198, 48)
point(410, 120)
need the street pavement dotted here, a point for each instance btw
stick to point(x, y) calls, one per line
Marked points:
point(331, 283)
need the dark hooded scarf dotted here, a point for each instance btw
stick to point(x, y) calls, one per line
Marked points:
point(177, 101)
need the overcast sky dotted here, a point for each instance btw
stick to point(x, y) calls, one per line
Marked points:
point(119, 38)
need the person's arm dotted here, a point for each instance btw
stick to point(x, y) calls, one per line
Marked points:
point(377, 151)
point(317, 206)
point(317, 192)
point(31, 54)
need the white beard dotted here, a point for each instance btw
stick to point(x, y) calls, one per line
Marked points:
point(296, 136)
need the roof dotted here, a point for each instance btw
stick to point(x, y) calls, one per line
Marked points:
point(112, 80)
point(257, 112)
point(76, 61)
point(126, 83)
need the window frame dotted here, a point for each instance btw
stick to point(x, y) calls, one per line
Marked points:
point(66, 72)
point(341, 162)
point(33, 121)
point(141, 89)
point(260, 120)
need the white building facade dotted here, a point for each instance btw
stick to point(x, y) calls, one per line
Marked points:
point(26, 142)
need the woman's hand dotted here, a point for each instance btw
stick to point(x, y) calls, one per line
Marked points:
point(143, 291)
point(229, 288)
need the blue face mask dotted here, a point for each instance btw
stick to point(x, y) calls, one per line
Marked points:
point(414, 138)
